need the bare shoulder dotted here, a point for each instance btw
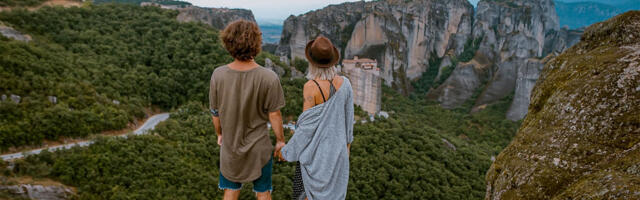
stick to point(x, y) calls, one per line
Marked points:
point(309, 86)
point(338, 81)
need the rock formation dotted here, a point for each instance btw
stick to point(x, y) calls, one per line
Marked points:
point(404, 36)
point(580, 139)
point(514, 36)
point(401, 35)
point(216, 17)
point(268, 63)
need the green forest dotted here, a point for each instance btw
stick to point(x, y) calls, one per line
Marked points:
point(105, 65)
point(402, 157)
point(137, 2)
point(20, 2)
point(108, 63)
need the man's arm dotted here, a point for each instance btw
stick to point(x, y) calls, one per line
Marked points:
point(276, 124)
point(216, 124)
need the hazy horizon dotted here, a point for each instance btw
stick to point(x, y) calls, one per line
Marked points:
point(275, 11)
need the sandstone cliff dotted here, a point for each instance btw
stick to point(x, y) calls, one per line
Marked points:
point(401, 35)
point(581, 138)
point(216, 17)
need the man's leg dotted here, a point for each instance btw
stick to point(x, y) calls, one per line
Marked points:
point(263, 186)
point(231, 194)
point(264, 195)
point(231, 189)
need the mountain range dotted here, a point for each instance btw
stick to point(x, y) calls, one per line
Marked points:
point(579, 14)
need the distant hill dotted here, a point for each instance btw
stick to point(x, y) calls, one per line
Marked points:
point(582, 14)
point(271, 29)
point(137, 2)
point(271, 33)
point(629, 5)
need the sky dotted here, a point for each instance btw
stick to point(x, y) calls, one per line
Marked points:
point(273, 10)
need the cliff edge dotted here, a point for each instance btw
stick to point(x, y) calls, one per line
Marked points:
point(581, 138)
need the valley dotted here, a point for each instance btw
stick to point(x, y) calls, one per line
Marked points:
point(493, 102)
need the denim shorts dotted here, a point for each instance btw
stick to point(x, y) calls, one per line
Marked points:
point(262, 184)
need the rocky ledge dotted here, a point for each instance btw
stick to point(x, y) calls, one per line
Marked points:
point(218, 18)
point(581, 138)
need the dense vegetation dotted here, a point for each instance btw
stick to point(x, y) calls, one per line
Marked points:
point(104, 65)
point(137, 2)
point(403, 157)
point(300, 64)
point(12, 3)
point(87, 57)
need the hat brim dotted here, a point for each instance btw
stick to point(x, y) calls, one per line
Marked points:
point(335, 57)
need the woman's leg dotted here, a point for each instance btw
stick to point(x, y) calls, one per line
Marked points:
point(263, 195)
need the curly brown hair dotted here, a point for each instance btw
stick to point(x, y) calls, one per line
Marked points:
point(242, 39)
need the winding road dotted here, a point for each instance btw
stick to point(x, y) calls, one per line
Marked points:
point(148, 125)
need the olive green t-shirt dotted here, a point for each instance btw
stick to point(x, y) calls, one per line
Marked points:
point(243, 100)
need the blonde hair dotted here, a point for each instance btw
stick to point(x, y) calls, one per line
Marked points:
point(321, 73)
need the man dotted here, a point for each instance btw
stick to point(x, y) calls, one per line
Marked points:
point(243, 97)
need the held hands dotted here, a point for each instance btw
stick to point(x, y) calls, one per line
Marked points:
point(277, 153)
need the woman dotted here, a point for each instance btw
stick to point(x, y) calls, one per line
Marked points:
point(324, 131)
